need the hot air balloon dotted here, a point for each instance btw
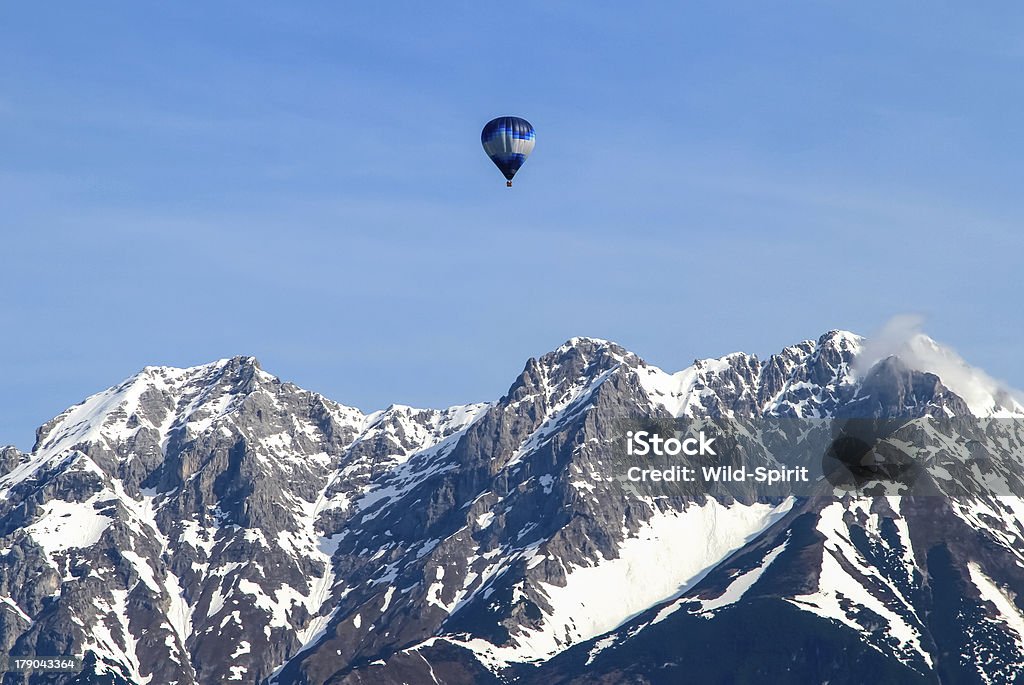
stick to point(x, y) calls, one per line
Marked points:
point(508, 141)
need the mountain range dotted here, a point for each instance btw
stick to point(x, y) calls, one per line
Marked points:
point(216, 524)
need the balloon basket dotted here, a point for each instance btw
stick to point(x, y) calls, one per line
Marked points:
point(508, 184)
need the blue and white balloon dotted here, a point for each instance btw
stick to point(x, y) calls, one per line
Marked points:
point(508, 141)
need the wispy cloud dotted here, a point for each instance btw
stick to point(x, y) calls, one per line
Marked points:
point(902, 336)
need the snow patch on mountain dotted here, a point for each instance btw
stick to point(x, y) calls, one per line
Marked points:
point(112, 640)
point(673, 391)
point(742, 583)
point(847, 582)
point(65, 525)
point(1005, 608)
point(671, 551)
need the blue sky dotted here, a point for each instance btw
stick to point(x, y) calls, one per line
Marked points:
point(184, 182)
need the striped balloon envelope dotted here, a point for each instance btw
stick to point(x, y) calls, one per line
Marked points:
point(508, 141)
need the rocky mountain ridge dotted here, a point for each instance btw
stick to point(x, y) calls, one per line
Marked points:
point(215, 524)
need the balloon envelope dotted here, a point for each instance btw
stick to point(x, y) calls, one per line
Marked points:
point(508, 141)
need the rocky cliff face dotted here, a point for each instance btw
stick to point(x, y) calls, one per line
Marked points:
point(215, 524)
